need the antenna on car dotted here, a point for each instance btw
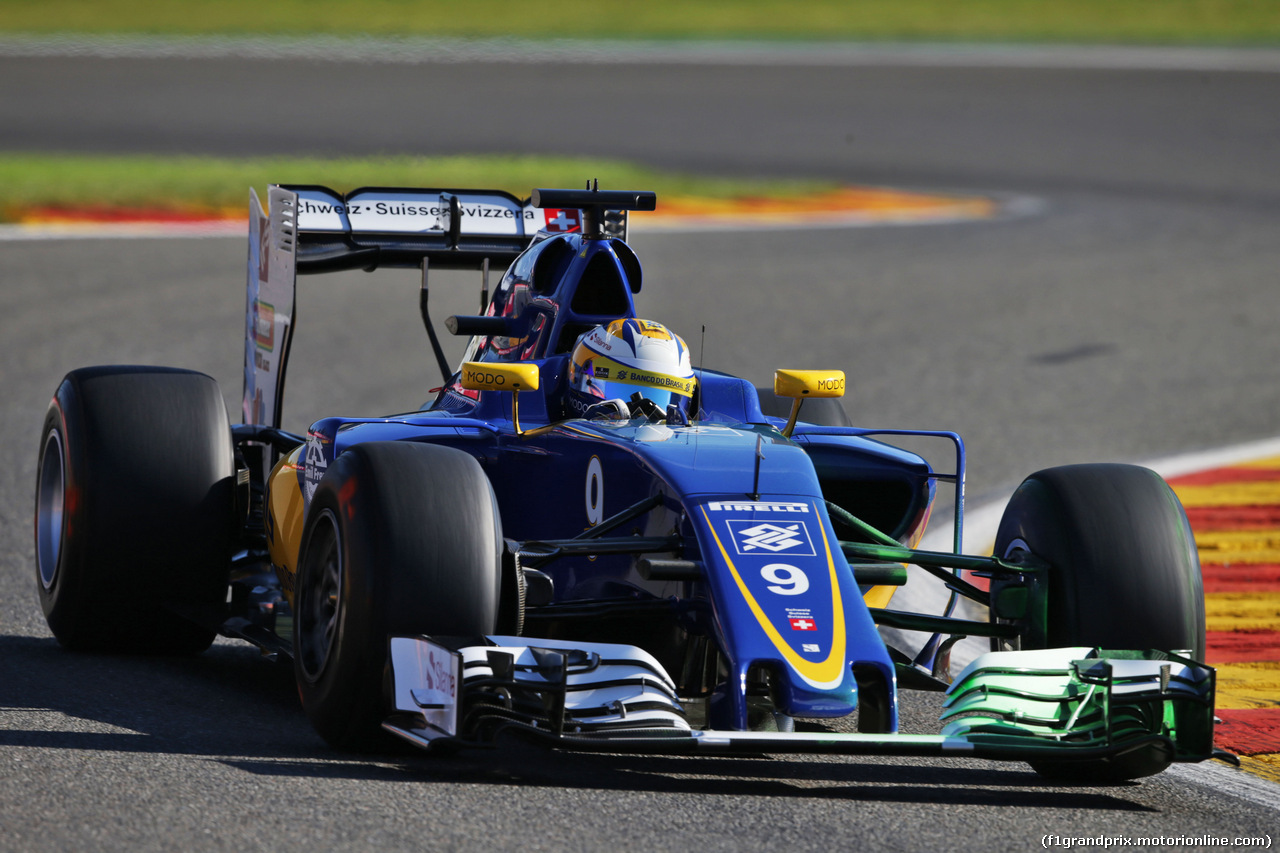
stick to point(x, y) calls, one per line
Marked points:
point(702, 353)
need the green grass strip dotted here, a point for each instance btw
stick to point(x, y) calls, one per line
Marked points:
point(1114, 21)
point(204, 183)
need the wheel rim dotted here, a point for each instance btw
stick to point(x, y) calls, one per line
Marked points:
point(1015, 644)
point(50, 505)
point(319, 606)
point(1015, 545)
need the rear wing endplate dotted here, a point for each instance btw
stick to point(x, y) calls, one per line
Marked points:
point(269, 304)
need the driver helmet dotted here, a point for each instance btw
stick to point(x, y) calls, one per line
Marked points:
point(629, 357)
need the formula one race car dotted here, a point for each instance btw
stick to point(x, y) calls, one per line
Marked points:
point(585, 540)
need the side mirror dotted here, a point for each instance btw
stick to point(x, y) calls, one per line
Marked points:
point(488, 376)
point(799, 384)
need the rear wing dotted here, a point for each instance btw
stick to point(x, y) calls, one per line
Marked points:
point(390, 227)
point(313, 229)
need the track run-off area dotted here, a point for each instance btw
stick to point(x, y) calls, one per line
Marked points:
point(1235, 513)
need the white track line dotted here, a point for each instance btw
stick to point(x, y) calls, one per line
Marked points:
point(123, 231)
point(981, 522)
point(1204, 460)
point(415, 51)
point(1226, 779)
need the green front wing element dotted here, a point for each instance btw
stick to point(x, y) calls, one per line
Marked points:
point(1081, 701)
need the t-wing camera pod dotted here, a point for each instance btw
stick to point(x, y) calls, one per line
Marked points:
point(596, 206)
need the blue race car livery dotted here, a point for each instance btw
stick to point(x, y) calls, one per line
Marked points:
point(584, 540)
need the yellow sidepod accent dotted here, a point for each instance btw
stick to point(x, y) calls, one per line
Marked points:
point(879, 596)
point(285, 518)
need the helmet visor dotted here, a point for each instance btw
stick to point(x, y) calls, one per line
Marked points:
point(605, 379)
point(604, 389)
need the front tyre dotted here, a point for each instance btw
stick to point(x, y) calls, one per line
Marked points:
point(134, 514)
point(1123, 574)
point(401, 538)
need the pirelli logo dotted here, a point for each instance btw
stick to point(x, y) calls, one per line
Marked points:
point(757, 506)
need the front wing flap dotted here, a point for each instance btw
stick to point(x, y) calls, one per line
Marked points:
point(1051, 705)
point(1084, 697)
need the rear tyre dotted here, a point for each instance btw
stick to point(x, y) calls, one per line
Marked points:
point(401, 539)
point(1124, 574)
point(134, 515)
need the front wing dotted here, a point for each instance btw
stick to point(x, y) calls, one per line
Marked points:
point(1073, 704)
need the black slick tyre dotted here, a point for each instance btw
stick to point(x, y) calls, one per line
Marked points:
point(1124, 574)
point(134, 515)
point(401, 538)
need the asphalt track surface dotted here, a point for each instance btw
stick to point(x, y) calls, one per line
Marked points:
point(1131, 315)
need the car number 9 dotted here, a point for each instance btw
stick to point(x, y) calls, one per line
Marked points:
point(784, 579)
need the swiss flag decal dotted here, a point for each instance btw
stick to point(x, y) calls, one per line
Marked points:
point(803, 625)
point(559, 219)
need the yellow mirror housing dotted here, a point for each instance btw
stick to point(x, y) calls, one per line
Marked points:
point(488, 376)
point(799, 384)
